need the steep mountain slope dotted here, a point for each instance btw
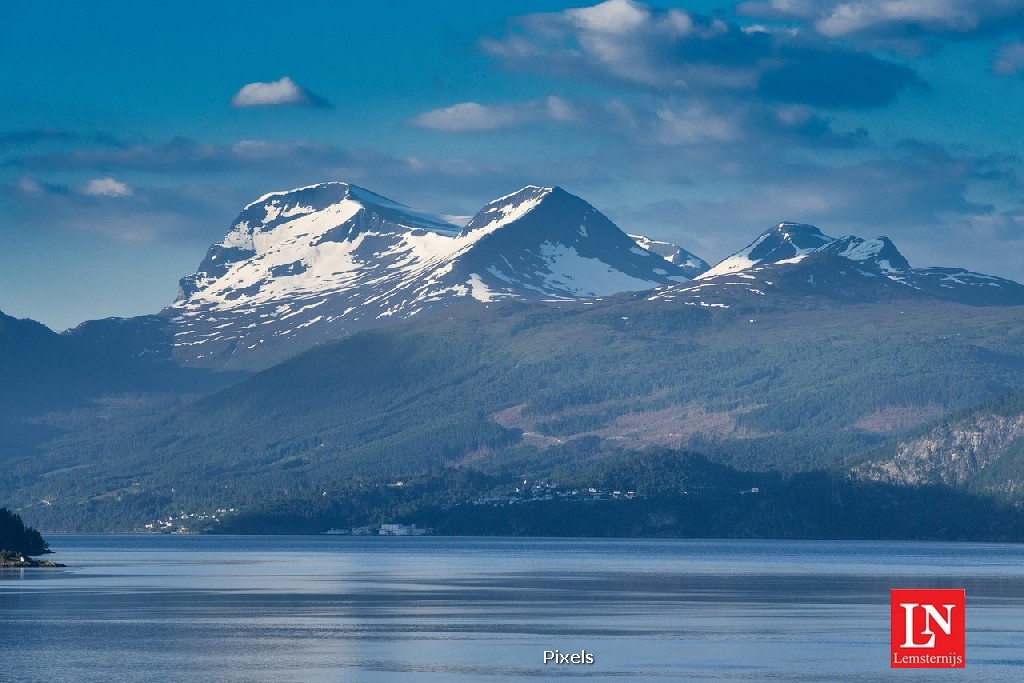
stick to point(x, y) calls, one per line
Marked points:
point(35, 372)
point(317, 263)
point(144, 337)
point(982, 449)
point(546, 243)
point(44, 373)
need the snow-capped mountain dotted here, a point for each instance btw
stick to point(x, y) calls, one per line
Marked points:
point(316, 263)
point(800, 259)
point(784, 241)
point(546, 243)
point(880, 252)
point(691, 264)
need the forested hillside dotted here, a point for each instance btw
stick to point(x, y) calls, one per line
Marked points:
point(17, 540)
point(786, 388)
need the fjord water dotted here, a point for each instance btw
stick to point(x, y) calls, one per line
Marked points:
point(337, 608)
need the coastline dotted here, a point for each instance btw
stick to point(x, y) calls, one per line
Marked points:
point(22, 562)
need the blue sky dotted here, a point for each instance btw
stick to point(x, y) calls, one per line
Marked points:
point(131, 134)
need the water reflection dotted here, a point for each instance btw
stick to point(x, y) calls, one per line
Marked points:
point(328, 609)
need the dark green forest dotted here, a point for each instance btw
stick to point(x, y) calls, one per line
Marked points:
point(471, 398)
point(671, 494)
point(18, 540)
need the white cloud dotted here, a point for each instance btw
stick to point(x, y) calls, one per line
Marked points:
point(558, 109)
point(631, 42)
point(467, 116)
point(613, 16)
point(660, 50)
point(472, 116)
point(892, 19)
point(31, 187)
point(106, 187)
point(655, 123)
point(280, 93)
point(1009, 60)
point(942, 15)
point(694, 124)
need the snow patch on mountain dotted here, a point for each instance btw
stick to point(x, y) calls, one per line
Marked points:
point(802, 259)
point(691, 265)
point(507, 209)
point(879, 250)
point(583, 277)
point(481, 292)
point(785, 240)
point(325, 260)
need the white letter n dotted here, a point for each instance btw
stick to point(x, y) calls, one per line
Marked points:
point(929, 613)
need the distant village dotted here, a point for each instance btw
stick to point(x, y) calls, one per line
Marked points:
point(187, 522)
point(198, 522)
point(546, 491)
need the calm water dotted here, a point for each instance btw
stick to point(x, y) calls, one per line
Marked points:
point(247, 609)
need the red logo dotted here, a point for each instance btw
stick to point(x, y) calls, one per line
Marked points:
point(927, 628)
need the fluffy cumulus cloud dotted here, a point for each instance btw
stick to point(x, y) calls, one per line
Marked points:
point(681, 88)
point(280, 93)
point(675, 51)
point(629, 42)
point(472, 116)
point(106, 187)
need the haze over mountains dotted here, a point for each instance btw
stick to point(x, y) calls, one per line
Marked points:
point(536, 338)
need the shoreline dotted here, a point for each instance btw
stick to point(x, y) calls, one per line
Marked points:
point(22, 562)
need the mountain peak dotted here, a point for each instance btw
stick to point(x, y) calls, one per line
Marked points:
point(691, 265)
point(289, 230)
point(552, 243)
point(335, 197)
point(320, 195)
point(511, 207)
point(783, 241)
point(799, 258)
point(800, 235)
point(795, 231)
point(333, 191)
point(321, 261)
point(879, 251)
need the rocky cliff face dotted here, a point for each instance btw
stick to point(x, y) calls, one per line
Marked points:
point(959, 453)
